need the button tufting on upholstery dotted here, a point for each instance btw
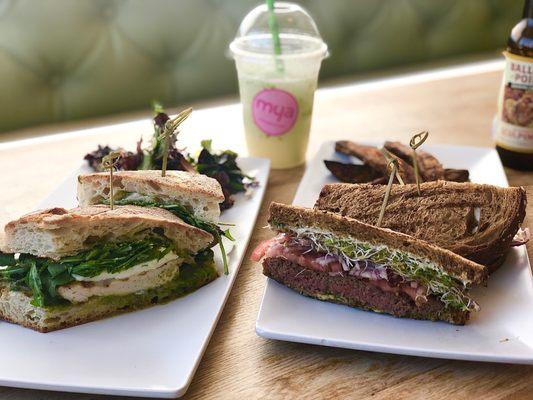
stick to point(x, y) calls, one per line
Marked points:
point(118, 55)
point(169, 65)
point(109, 11)
point(4, 7)
point(55, 80)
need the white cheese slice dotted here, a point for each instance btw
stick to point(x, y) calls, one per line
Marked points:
point(79, 292)
point(146, 266)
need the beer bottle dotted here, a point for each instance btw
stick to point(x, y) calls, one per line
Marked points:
point(514, 132)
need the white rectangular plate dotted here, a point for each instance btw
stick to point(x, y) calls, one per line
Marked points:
point(152, 352)
point(501, 332)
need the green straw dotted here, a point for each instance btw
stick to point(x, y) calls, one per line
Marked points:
point(274, 30)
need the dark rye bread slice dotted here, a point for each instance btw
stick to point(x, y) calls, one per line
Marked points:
point(356, 292)
point(444, 214)
point(286, 218)
point(354, 173)
point(430, 168)
point(360, 173)
point(456, 175)
point(372, 157)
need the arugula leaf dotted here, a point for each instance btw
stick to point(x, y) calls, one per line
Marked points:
point(42, 276)
point(50, 285)
point(223, 167)
point(35, 284)
point(189, 218)
point(7, 259)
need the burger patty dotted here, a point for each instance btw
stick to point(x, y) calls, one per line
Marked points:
point(357, 292)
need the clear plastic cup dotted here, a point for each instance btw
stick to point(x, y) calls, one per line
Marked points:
point(277, 91)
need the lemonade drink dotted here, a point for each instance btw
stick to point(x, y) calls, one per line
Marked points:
point(277, 91)
point(277, 117)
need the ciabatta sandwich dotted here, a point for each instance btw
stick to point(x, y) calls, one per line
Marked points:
point(61, 268)
point(198, 194)
point(475, 221)
point(194, 198)
point(341, 260)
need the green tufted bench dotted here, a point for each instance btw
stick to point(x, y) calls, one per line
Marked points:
point(69, 59)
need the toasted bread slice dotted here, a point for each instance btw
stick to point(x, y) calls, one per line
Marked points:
point(290, 218)
point(197, 192)
point(354, 173)
point(360, 173)
point(372, 157)
point(430, 168)
point(475, 221)
point(456, 175)
point(56, 232)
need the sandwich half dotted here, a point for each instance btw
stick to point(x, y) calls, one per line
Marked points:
point(475, 221)
point(61, 268)
point(198, 194)
point(194, 198)
point(341, 260)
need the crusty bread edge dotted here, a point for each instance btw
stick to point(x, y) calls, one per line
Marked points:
point(210, 188)
point(57, 218)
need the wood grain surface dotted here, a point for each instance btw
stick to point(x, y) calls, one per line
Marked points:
point(240, 365)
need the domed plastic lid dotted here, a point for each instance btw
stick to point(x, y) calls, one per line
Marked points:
point(298, 33)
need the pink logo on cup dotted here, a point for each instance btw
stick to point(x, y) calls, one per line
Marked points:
point(274, 111)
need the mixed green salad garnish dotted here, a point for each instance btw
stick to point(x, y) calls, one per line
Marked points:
point(437, 281)
point(221, 166)
point(189, 218)
point(42, 276)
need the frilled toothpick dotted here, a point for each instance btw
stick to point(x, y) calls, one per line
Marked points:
point(170, 127)
point(392, 162)
point(109, 162)
point(417, 141)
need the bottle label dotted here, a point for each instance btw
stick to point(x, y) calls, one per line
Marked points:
point(274, 111)
point(515, 112)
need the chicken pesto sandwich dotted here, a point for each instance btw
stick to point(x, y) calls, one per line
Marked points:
point(341, 260)
point(61, 268)
point(194, 198)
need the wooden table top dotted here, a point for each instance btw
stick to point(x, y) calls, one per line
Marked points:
point(456, 106)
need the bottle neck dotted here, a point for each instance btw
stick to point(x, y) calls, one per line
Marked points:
point(528, 9)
